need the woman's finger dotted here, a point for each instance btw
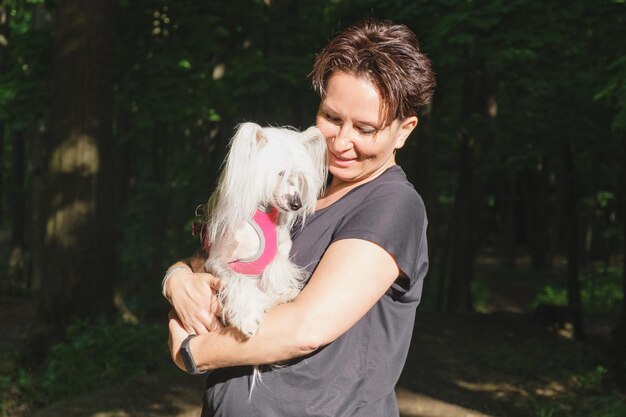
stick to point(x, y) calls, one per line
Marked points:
point(217, 326)
point(214, 282)
point(200, 328)
point(172, 314)
point(194, 326)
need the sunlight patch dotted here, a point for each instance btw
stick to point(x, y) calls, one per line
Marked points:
point(411, 404)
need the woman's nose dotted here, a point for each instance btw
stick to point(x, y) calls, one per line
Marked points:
point(342, 140)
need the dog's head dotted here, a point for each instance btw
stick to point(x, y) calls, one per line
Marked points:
point(279, 167)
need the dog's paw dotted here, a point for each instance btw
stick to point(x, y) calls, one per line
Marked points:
point(250, 326)
point(248, 322)
point(287, 295)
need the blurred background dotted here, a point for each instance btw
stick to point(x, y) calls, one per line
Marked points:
point(114, 117)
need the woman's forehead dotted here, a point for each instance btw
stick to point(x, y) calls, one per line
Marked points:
point(354, 96)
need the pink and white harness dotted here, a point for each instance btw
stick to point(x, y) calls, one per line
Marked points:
point(264, 224)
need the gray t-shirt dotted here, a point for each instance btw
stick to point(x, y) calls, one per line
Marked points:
point(356, 374)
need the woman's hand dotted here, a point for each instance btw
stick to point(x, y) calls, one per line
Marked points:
point(194, 297)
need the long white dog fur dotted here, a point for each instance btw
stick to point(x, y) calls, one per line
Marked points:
point(265, 167)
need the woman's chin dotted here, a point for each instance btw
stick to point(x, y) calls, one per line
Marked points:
point(340, 173)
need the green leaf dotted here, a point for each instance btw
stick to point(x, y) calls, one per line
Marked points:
point(184, 64)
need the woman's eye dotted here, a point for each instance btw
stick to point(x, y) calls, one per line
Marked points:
point(366, 130)
point(332, 119)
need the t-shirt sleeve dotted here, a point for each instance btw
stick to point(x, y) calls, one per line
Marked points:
point(392, 216)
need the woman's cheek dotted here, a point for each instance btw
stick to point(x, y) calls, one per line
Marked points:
point(327, 129)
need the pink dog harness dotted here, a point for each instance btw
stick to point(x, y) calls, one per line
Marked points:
point(264, 224)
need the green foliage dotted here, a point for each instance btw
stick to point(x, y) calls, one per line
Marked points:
point(551, 295)
point(593, 378)
point(615, 91)
point(543, 410)
point(93, 355)
point(11, 379)
point(480, 295)
point(606, 406)
point(601, 291)
point(25, 66)
point(97, 354)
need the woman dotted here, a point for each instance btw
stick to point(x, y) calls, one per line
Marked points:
point(345, 337)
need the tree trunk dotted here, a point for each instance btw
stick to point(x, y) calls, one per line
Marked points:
point(478, 100)
point(79, 258)
point(17, 180)
point(619, 339)
point(3, 193)
point(463, 250)
point(4, 60)
point(37, 136)
point(18, 211)
point(443, 263)
point(508, 237)
point(537, 205)
point(574, 302)
point(36, 192)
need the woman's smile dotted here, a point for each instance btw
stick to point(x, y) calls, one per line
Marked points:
point(341, 161)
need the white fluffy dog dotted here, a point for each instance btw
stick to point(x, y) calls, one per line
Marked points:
point(271, 179)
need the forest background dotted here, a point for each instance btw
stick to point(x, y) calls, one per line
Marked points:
point(115, 115)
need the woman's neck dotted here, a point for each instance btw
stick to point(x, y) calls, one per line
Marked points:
point(334, 192)
point(339, 188)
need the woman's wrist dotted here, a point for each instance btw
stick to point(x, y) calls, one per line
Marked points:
point(196, 349)
point(169, 274)
point(222, 349)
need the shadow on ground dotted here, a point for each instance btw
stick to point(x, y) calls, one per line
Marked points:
point(166, 396)
point(496, 364)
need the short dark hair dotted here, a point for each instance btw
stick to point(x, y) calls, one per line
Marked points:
point(389, 55)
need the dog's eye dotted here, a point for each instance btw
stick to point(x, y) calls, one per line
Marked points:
point(281, 173)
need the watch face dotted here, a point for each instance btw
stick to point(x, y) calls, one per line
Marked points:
point(190, 366)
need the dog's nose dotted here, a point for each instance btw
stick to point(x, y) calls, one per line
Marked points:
point(295, 203)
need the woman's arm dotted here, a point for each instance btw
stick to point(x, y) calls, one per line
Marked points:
point(351, 277)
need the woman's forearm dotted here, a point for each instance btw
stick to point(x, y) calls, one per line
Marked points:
point(351, 277)
point(282, 336)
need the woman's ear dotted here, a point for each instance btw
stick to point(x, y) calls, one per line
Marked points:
point(404, 130)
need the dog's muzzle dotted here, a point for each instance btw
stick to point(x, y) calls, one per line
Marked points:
point(294, 202)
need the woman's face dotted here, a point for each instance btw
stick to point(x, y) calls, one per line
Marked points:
point(350, 117)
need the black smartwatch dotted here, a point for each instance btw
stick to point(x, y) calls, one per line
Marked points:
point(185, 353)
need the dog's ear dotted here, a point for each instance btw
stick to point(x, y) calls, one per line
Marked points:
point(313, 136)
point(234, 186)
point(247, 137)
point(315, 142)
point(260, 137)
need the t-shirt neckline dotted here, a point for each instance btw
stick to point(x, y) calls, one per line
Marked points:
point(384, 173)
